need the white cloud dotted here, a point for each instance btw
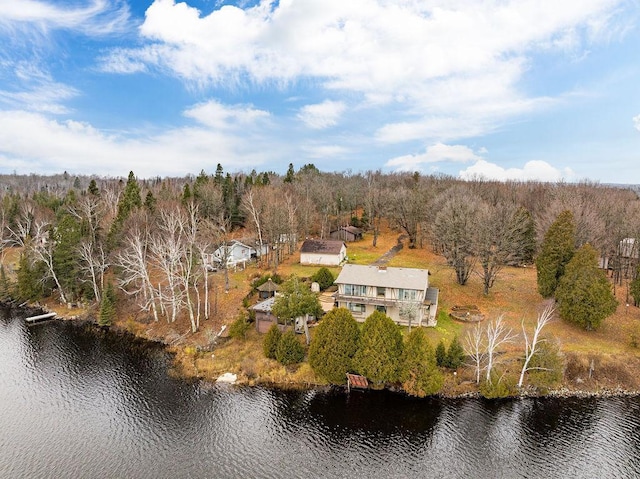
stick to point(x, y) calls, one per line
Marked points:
point(217, 115)
point(322, 115)
point(97, 17)
point(80, 148)
point(532, 171)
point(453, 67)
point(636, 122)
point(434, 154)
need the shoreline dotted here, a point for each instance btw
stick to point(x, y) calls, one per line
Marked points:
point(180, 369)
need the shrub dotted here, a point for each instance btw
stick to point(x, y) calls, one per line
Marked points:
point(289, 349)
point(239, 328)
point(270, 341)
point(549, 366)
point(498, 387)
point(323, 277)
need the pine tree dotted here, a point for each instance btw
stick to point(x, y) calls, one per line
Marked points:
point(93, 188)
point(419, 374)
point(455, 354)
point(378, 356)
point(441, 354)
point(270, 341)
point(290, 174)
point(107, 307)
point(584, 293)
point(556, 251)
point(289, 349)
point(334, 344)
point(634, 289)
point(28, 287)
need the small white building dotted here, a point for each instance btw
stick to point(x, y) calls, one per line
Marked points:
point(323, 252)
point(234, 253)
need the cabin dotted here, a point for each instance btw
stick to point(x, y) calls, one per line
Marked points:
point(403, 294)
point(347, 233)
point(323, 252)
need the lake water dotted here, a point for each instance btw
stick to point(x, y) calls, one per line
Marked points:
point(76, 404)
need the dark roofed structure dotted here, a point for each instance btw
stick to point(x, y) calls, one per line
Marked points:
point(323, 252)
point(347, 233)
point(267, 289)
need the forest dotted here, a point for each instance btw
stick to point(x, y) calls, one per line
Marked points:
point(88, 240)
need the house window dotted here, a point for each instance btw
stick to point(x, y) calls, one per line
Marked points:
point(356, 307)
point(355, 290)
point(382, 292)
point(382, 309)
point(407, 294)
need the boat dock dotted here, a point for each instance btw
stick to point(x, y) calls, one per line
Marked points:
point(40, 317)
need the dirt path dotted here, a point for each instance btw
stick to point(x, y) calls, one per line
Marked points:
point(384, 259)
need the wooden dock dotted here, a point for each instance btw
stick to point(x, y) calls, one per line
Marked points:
point(40, 317)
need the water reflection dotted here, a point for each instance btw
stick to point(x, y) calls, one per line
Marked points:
point(81, 404)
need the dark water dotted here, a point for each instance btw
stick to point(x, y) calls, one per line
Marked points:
point(74, 404)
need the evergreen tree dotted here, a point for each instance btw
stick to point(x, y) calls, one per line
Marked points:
point(289, 349)
point(634, 289)
point(441, 354)
point(556, 251)
point(107, 307)
point(334, 345)
point(378, 356)
point(93, 188)
point(270, 341)
point(455, 354)
point(150, 202)
point(323, 277)
point(584, 294)
point(186, 194)
point(5, 285)
point(420, 375)
point(290, 174)
point(66, 237)
point(295, 300)
point(28, 286)
point(129, 200)
point(527, 243)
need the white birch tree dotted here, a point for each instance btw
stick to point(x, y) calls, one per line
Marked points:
point(531, 344)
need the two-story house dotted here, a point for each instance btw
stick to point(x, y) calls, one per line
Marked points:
point(401, 293)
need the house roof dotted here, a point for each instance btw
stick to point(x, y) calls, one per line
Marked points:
point(264, 306)
point(322, 246)
point(384, 277)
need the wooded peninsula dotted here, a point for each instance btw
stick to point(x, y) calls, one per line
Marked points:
point(538, 283)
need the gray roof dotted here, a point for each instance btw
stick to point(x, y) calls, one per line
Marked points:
point(265, 305)
point(321, 246)
point(384, 277)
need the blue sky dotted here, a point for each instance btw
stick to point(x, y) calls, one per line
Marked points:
point(501, 89)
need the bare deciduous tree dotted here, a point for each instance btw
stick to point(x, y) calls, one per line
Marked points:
point(498, 334)
point(475, 348)
point(530, 345)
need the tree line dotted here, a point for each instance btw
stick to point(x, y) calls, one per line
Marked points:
point(149, 237)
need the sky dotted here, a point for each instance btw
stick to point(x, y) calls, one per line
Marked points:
point(496, 89)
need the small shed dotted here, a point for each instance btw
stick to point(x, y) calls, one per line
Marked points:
point(264, 318)
point(267, 289)
point(323, 252)
point(347, 233)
